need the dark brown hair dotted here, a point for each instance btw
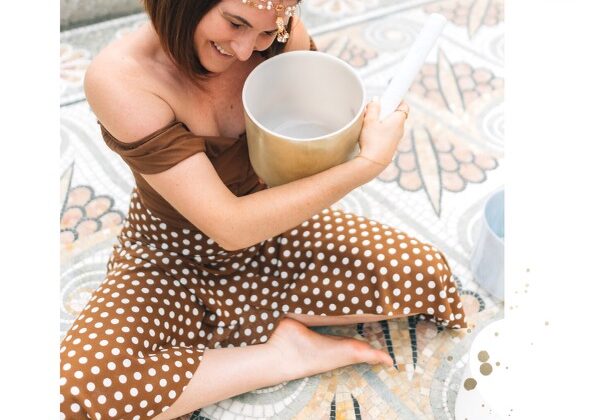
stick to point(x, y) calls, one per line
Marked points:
point(175, 22)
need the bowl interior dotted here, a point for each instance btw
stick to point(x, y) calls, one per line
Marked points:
point(303, 95)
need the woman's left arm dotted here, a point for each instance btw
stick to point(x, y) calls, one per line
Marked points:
point(299, 38)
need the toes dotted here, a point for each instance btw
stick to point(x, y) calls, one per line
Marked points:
point(379, 356)
point(383, 358)
point(366, 353)
point(387, 360)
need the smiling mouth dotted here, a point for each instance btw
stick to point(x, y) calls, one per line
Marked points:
point(220, 49)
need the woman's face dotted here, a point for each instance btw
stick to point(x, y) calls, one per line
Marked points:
point(232, 31)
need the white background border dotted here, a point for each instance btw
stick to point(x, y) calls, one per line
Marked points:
point(552, 151)
point(29, 210)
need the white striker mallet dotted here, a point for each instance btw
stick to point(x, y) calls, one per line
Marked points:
point(412, 63)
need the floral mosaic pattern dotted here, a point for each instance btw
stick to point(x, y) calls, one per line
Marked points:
point(435, 163)
point(73, 64)
point(83, 213)
point(455, 86)
point(472, 14)
point(345, 48)
point(339, 7)
point(433, 158)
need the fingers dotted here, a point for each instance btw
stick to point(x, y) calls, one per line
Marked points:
point(373, 108)
point(403, 110)
point(403, 107)
point(399, 116)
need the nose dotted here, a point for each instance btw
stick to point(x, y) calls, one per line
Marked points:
point(243, 46)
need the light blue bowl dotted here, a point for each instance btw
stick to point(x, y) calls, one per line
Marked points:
point(487, 261)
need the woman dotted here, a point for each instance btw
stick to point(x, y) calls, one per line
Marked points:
point(215, 278)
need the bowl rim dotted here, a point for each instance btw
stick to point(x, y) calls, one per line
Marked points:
point(286, 55)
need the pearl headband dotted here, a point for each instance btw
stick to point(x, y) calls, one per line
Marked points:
point(282, 33)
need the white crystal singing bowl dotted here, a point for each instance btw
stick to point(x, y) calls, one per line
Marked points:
point(304, 113)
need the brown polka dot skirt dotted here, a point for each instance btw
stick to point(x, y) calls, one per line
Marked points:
point(170, 293)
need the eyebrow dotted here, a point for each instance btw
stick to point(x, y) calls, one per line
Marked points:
point(244, 21)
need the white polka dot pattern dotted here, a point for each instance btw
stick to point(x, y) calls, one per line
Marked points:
point(171, 292)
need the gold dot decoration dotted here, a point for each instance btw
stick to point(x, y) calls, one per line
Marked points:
point(486, 369)
point(497, 363)
point(483, 356)
point(450, 358)
point(470, 384)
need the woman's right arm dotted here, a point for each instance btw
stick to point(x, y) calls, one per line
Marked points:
point(239, 222)
point(194, 188)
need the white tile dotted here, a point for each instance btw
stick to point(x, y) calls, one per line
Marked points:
point(236, 407)
point(227, 415)
point(279, 406)
point(269, 412)
point(247, 410)
point(258, 411)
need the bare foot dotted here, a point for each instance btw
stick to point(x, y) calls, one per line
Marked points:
point(307, 352)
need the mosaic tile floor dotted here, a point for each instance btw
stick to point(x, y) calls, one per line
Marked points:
point(450, 161)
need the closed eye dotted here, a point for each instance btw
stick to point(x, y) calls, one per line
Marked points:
point(228, 16)
point(238, 26)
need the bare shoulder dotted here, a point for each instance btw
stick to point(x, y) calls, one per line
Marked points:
point(124, 97)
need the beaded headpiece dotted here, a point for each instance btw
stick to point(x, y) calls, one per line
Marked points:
point(282, 33)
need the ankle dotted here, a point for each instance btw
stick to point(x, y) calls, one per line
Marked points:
point(284, 360)
point(292, 346)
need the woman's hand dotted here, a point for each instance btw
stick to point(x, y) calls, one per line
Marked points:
point(379, 139)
